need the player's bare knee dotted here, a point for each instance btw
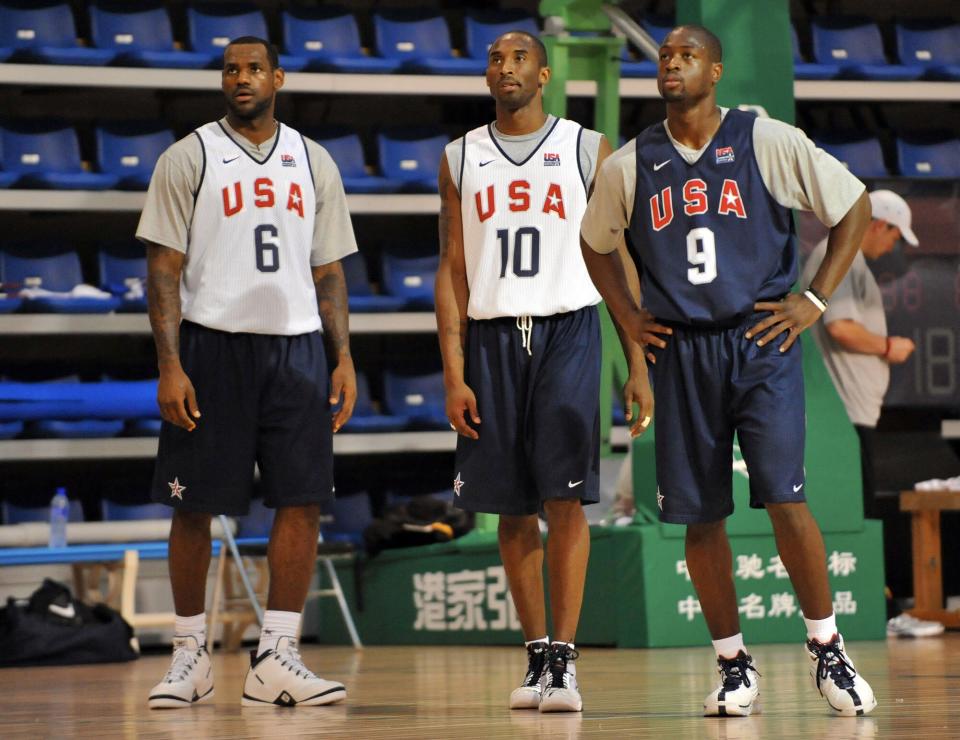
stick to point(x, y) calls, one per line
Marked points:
point(192, 521)
point(705, 532)
point(789, 514)
point(562, 510)
point(299, 516)
point(510, 526)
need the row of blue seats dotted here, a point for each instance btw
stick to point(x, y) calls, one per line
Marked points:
point(927, 156)
point(46, 154)
point(327, 38)
point(322, 38)
point(408, 281)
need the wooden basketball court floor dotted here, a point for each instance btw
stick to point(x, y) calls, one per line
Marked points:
point(461, 693)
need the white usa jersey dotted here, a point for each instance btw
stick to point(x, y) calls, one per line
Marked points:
point(247, 267)
point(521, 226)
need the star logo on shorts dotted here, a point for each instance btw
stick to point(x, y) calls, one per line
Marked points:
point(659, 499)
point(176, 490)
point(457, 484)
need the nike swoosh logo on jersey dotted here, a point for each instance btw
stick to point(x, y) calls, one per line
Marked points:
point(228, 161)
point(662, 164)
point(797, 488)
point(571, 484)
point(484, 164)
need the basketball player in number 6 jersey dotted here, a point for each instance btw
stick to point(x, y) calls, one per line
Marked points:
point(520, 338)
point(245, 223)
point(706, 197)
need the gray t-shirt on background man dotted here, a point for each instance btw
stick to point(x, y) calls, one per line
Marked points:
point(518, 148)
point(168, 211)
point(861, 379)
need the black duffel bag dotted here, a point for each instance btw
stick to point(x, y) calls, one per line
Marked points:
point(52, 628)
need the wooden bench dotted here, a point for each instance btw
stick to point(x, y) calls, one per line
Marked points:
point(925, 508)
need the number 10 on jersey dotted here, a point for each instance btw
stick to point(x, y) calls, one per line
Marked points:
point(526, 251)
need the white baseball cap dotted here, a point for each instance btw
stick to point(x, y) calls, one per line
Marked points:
point(890, 207)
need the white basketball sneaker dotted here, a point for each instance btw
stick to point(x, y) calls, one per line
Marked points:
point(560, 690)
point(738, 691)
point(278, 676)
point(189, 679)
point(527, 695)
point(837, 680)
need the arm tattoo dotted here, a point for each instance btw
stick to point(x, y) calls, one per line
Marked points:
point(163, 298)
point(331, 289)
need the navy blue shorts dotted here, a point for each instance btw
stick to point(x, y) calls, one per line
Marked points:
point(708, 384)
point(263, 399)
point(540, 418)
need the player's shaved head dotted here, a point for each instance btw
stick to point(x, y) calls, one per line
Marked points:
point(273, 56)
point(536, 44)
point(707, 38)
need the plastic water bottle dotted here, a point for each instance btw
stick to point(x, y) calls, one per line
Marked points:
point(59, 513)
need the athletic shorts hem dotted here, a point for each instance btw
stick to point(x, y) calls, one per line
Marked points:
point(319, 499)
point(791, 499)
point(483, 508)
point(204, 507)
point(693, 518)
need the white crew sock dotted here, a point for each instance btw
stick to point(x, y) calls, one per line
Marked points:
point(729, 647)
point(277, 624)
point(545, 639)
point(195, 627)
point(821, 630)
point(561, 642)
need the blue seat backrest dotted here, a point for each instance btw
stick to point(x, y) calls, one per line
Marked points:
point(213, 25)
point(351, 513)
point(482, 29)
point(929, 158)
point(321, 32)
point(113, 511)
point(411, 35)
point(863, 157)
point(57, 267)
point(364, 402)
point(39, 23)
point(40, 147)
point(346, 150)
point(355, 274)
point(15, 514)
point(847, 41)
point(928, 43)
point(257, 522)
point(119, 263)
point(409, 393)
point(794, 39)
point(125, 149)
point(410, 154)
point(131, 26)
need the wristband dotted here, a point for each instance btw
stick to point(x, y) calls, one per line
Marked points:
point(886, 352)
point(816, 299)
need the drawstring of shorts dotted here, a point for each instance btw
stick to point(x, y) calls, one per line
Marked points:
point(525, 325)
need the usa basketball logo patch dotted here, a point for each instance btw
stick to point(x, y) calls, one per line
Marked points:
point(287, 160)
point(724, 154)
point(551, 159)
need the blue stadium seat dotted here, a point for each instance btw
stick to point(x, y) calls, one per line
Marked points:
point(417, 394)
point(123, 272)
point(347, 151)
point(352, 514)
point(926, 156)
point(412, 156)
point(7, 178)
point(933, 45)
point(10, 429)
point(411, 279)
point(9, 300)
point(142, 428)
point(361, 296)
point(44, 31)
point(804, 70)
point(855, 44)
point(863, 157)
point(139, 33)
point(257, 522)
point(420, 40)
point(130, 151)
point(47, 155)
point(66, 399)
point(365, 417)
point(51, 267)
point(658, 28)
point(327, 39)
point(115, 511)
point(74, 428)
point(211, 27)
point(481, 29)
point(17, 514)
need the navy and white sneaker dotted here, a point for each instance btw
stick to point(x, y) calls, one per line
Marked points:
point(560, 690)
point(527, 695)
point(739, 689)
point(278, 677)
point(837, 680)
point(189, 679)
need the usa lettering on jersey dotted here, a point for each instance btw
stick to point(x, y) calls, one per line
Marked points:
point(263, 197)
point(696, 201)
point(518, 199)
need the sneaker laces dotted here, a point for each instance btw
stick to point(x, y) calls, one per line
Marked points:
point(558, 676)
point(290, 658)
point(833, 663)
point(536, 662)
point(735, 672)
point(184, 659)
